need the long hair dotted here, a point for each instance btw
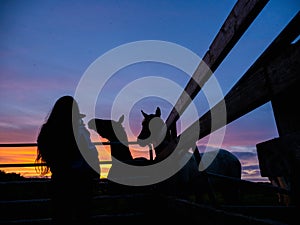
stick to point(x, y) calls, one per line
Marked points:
point(56, 137)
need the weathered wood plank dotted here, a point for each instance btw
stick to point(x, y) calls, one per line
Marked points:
point(253, 90)
point(241, 16)
point(274, 71)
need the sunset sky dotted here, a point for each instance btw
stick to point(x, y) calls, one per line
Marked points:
point(47, 46)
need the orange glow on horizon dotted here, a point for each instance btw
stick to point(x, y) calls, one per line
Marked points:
point(27, 155)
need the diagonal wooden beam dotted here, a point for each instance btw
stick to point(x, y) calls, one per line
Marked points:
point(273, 72)
point(239, 19)
point(255, 88)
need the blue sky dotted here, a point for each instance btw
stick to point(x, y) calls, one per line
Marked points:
point(46, 46)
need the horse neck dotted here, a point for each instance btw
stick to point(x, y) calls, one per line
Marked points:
point(117, 149)
point(119, 146)
point(164, 143)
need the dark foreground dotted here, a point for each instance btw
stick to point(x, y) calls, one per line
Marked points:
point(26, 202)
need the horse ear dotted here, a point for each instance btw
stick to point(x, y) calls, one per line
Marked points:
point(144, 114)
point(158, 112)
point(121, 119)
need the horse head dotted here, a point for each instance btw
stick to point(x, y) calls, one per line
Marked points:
point(115, 133)
point(154, 130)
point(109, 129)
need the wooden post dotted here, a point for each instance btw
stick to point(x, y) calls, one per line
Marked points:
point(287, 116)
point(286, 110)
point(150, 152)
point(279, 159)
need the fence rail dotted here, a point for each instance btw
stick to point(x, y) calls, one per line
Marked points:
point(2, 145)
point(9, 145)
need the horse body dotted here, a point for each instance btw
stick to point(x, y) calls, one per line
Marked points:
point(224, 163)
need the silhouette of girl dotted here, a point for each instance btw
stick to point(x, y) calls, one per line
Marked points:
point(62, 143)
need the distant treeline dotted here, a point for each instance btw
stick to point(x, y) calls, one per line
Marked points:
point(10, 176)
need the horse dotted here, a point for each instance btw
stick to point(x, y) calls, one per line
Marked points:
point(225, 163)
point(114, 131)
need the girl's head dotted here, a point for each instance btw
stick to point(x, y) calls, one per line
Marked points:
point(65, 109)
